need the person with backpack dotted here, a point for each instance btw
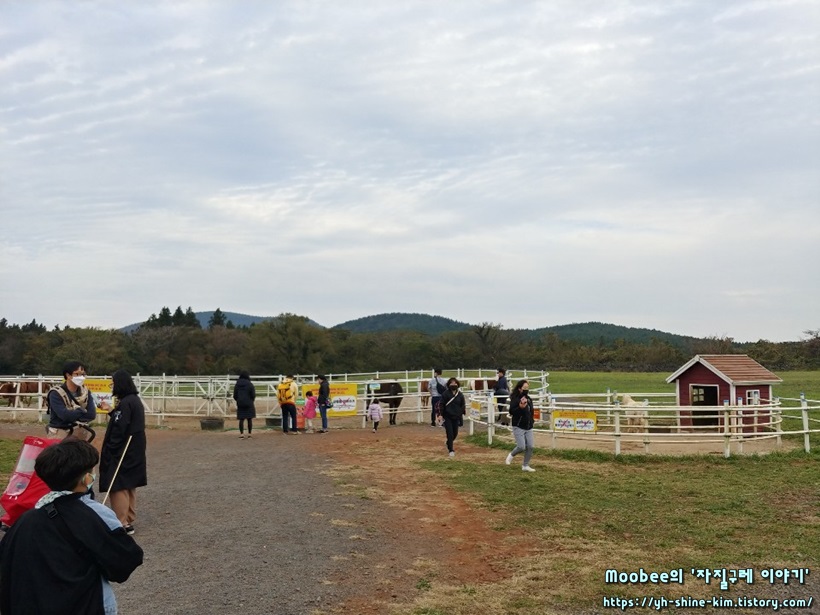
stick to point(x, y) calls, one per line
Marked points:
point(286, 394)
point(62, 555)
point(453, 409)
point(71, 402)
point(436, 386)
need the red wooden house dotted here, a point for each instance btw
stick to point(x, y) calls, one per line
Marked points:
point(710, 381)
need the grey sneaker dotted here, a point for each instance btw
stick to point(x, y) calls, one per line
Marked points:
point(527, 469)
point(452, 453)
point(508, 460)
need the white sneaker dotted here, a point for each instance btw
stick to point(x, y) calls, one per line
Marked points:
point(452, 453)
point(508, 460)
point(527, 469)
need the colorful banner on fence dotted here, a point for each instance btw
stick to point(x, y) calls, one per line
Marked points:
point(343, 395)
point(574, 420)
point(101, 388)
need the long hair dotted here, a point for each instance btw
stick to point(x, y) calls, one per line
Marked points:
point(517, 388)
point(123, 384)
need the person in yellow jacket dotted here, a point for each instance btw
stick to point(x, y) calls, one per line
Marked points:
point(286, 394)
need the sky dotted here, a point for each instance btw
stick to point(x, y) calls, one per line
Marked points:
point(643, 163)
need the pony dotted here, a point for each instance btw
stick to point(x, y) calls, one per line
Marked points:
point(637, 417)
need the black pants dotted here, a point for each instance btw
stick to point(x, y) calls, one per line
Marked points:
point(375, 425)
point(451, 424)
point(250, 425)
point(288, 417)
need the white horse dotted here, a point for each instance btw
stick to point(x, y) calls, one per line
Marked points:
point(637, 417)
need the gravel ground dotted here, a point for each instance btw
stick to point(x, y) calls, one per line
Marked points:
point(241, 526)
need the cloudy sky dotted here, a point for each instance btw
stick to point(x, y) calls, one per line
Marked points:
point(648, 163)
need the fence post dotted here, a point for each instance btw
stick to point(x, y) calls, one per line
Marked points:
point(617, 427)
point(804, 407)
point(490, 420)
point(727, 446)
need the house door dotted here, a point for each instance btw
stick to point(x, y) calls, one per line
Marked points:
point(705, 395)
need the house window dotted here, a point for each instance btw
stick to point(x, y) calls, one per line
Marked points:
point(752, 397)
point(698, 395)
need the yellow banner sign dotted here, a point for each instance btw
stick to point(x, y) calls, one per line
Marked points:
point(101, 388)
point(342, 394)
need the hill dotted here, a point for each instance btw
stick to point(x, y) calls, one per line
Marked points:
point(599, 333)
point(401, 321)
point(587, 333)
point(239, 320)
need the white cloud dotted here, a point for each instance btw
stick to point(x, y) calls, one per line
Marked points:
point(623, 162)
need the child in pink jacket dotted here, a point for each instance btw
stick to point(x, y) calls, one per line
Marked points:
point(310, 411)
point(375, 413)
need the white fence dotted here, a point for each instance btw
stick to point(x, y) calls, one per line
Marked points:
point(168, 396)
point(658, 423)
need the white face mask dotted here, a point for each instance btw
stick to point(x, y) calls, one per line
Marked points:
point(78, 380)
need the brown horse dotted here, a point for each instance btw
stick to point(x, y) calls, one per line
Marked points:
point(18, 393)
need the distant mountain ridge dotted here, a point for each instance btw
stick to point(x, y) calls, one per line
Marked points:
point(402, 321)
point(588, 333)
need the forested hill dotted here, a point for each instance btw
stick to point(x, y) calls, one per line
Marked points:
point(401, 321)
point(595, 333)
point(588, 333)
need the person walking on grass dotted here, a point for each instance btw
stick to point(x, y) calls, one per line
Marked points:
point(521, 410)
point(244, 395)
point(453, 409)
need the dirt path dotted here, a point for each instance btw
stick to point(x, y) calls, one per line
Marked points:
point(296, 524)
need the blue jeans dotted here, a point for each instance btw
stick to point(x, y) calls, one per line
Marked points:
point(323, 412)
point(288, 417)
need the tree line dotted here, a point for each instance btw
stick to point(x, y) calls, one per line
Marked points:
point(175, 343)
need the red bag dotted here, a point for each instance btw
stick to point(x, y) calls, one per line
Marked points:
point(25, 487)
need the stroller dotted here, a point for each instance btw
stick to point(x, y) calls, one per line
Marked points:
point(25, 488)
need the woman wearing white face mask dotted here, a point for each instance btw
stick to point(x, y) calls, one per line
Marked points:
point(71, 402)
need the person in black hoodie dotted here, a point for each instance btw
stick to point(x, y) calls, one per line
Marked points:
point(126, 420)
point(521, 410)
point(244, 394)
point(453, 409)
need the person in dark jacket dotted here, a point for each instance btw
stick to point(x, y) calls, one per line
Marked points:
point(323, 400)
point(501, 390)
point(453, 409)
point(521, 410)
point(244, 395)
point(124, 439)
point(60, 557)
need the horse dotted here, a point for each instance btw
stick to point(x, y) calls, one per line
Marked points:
point(18, 393)
point(424, 392)
point(389, 393)
point(637, 417)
